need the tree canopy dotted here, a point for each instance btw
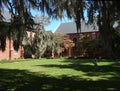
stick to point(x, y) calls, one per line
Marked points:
point(106, 13)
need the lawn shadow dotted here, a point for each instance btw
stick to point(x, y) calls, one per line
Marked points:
point(110, 71)
point(79, 66)
point(21, 80)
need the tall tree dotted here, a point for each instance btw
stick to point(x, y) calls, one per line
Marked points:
point(20, 19)
point(106, 12)
point(40, 42)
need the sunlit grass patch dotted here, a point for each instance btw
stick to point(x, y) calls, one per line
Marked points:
point(60, 74)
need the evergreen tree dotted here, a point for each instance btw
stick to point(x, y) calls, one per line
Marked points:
point(39, 42)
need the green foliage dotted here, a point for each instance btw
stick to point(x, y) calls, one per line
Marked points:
point(20, 20)
point(97, 48)
point(93, 47)
point(4, 32)
point(58, 41)
point(84, 42)
point(40, 42)
point(104, 12)
point(45, 42)
point(51, 42)
point(27, 45)
point(116, 42)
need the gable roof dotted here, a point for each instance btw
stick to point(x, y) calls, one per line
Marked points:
point(70, 27)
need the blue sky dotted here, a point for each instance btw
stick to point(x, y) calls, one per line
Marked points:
point(54, 23)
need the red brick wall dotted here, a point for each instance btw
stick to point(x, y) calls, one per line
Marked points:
point(9, 52)
point(92, 35)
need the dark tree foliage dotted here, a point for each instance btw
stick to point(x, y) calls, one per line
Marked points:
point(104, 12)
point(4, 31)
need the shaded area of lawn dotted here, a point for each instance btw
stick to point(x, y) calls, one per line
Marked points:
point(20, 80)
point(111, 68)
point(25, 81)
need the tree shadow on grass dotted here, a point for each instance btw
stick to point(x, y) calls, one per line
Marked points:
point(77, 65)
point(86, 68)
point(111, 72)
point(21, 80)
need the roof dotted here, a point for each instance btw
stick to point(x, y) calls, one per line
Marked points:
point(70, 27)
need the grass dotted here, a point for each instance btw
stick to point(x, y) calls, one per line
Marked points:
point(60, 74)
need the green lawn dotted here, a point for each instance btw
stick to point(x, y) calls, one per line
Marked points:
point(59, 75)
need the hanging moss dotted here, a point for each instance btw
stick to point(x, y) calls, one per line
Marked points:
point(4, 32)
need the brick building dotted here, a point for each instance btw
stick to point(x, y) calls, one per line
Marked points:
point(9, 52)
point(70, 29)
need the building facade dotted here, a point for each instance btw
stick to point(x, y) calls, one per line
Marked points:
point(70, 29)
point(9, 52)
